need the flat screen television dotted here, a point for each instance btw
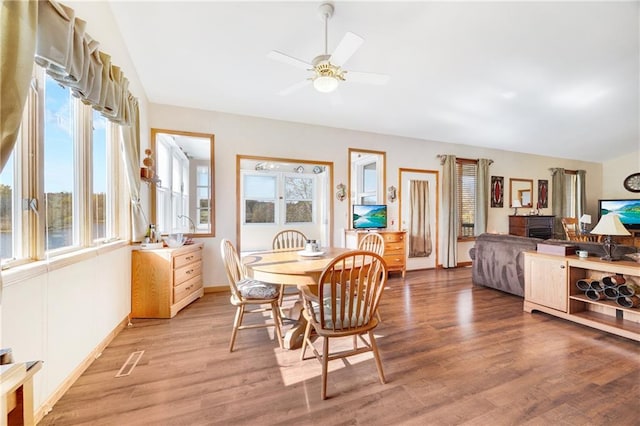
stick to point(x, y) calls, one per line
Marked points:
point(367, 216)
point(627, 210)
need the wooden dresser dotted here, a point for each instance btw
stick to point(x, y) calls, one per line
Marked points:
point(163, 281)
point(395, 252)
point(531, 226)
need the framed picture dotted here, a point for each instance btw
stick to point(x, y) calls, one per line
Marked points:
point(543, 193)
point(497, 191)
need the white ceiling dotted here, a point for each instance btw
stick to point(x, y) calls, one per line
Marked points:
point(552, 78)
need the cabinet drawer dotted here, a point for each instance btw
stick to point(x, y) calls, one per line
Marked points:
point(186, 288)
point(187, 258)
point(183, 274)
point(540, 222)
point(393, 237)
point(394, 248)
point(393, 261)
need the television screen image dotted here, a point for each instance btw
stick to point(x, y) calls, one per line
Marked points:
point(369, 216)
point(627, 210)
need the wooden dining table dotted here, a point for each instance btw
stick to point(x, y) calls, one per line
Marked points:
point(293, 268)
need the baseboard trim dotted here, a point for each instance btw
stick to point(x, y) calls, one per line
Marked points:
point(218, 289)
point(47, 406)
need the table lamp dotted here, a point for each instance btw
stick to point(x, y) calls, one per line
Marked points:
point(609, 225)
point(516, 204)
point(585, 220)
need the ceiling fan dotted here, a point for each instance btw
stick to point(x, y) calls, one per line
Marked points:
point(327, 68)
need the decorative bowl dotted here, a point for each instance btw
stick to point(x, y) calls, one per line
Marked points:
point(175, 240)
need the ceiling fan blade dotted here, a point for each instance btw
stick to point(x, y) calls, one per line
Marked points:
point(367, 77)
point(347, 47)
point(279, 56)
point(299, 85)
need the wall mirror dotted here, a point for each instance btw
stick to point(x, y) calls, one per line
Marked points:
point(367, 177)
point(521, 190)
point(182, 199)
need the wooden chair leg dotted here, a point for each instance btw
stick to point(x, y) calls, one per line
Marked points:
point(376, 355)
point(325, 367)
point(305, 340)
point(378, 315)
point(236, 325)
point(277, 320)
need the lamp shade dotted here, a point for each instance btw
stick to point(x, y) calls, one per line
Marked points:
point(325, 84)
point(585, 218)
point(516, 203)
point(610, 224)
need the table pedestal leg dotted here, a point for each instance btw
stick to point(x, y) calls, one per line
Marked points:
point(293, 336)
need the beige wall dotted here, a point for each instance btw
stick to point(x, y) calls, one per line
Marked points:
point(236, 134)
point(614, 172)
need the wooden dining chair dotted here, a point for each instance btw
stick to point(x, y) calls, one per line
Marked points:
point(247, 292)
point(349, 290)
point(373, 242)
point(570, 227)
point(288, 239)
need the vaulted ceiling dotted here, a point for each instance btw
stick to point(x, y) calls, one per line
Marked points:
point(553, 78)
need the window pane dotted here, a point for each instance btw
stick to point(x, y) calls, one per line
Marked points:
point(299, 211)
point(259, 211)
point(296, 188)
point(260, 187)
point(99, 169)
point(202, 176)
point(6, 210)
point(58, 165)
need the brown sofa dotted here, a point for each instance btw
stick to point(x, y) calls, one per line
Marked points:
point(498, 261)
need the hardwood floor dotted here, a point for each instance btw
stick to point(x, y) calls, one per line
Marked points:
point(452, 353)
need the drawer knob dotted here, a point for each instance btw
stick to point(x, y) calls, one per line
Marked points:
point(189, 272)
point(189, 257)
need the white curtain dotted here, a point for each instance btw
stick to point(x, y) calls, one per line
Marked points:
point(580, 193)
point(450, 212)
point(483, 183)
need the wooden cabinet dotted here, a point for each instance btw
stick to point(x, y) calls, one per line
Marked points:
point(531, 226)
point(395, 252)
point(550, 287)
point(545, 280)
point(166, 280)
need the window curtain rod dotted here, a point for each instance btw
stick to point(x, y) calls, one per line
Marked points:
point(442, 157)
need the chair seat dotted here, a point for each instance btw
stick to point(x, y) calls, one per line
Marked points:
point(254, 289)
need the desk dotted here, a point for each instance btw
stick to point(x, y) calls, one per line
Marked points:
point(289, 268)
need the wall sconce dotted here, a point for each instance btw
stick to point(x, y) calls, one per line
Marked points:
point(392, 194)
point(341, 192)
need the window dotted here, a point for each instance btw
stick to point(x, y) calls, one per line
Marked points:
point(263, 203)
point(259, 194)
point(60, 185)
point(60, 189)
point(8, 201)
point(104, 169)
point(467, 172)
point(298, 199)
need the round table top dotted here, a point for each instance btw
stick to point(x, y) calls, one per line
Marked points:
point(289, 266)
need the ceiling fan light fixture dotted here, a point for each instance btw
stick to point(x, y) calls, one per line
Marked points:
point(325, 83)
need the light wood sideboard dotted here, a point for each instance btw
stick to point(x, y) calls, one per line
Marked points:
point(395, 243)
point(550, 287)
point(164, 281)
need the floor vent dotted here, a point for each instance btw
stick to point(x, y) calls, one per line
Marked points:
point(130, 364)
